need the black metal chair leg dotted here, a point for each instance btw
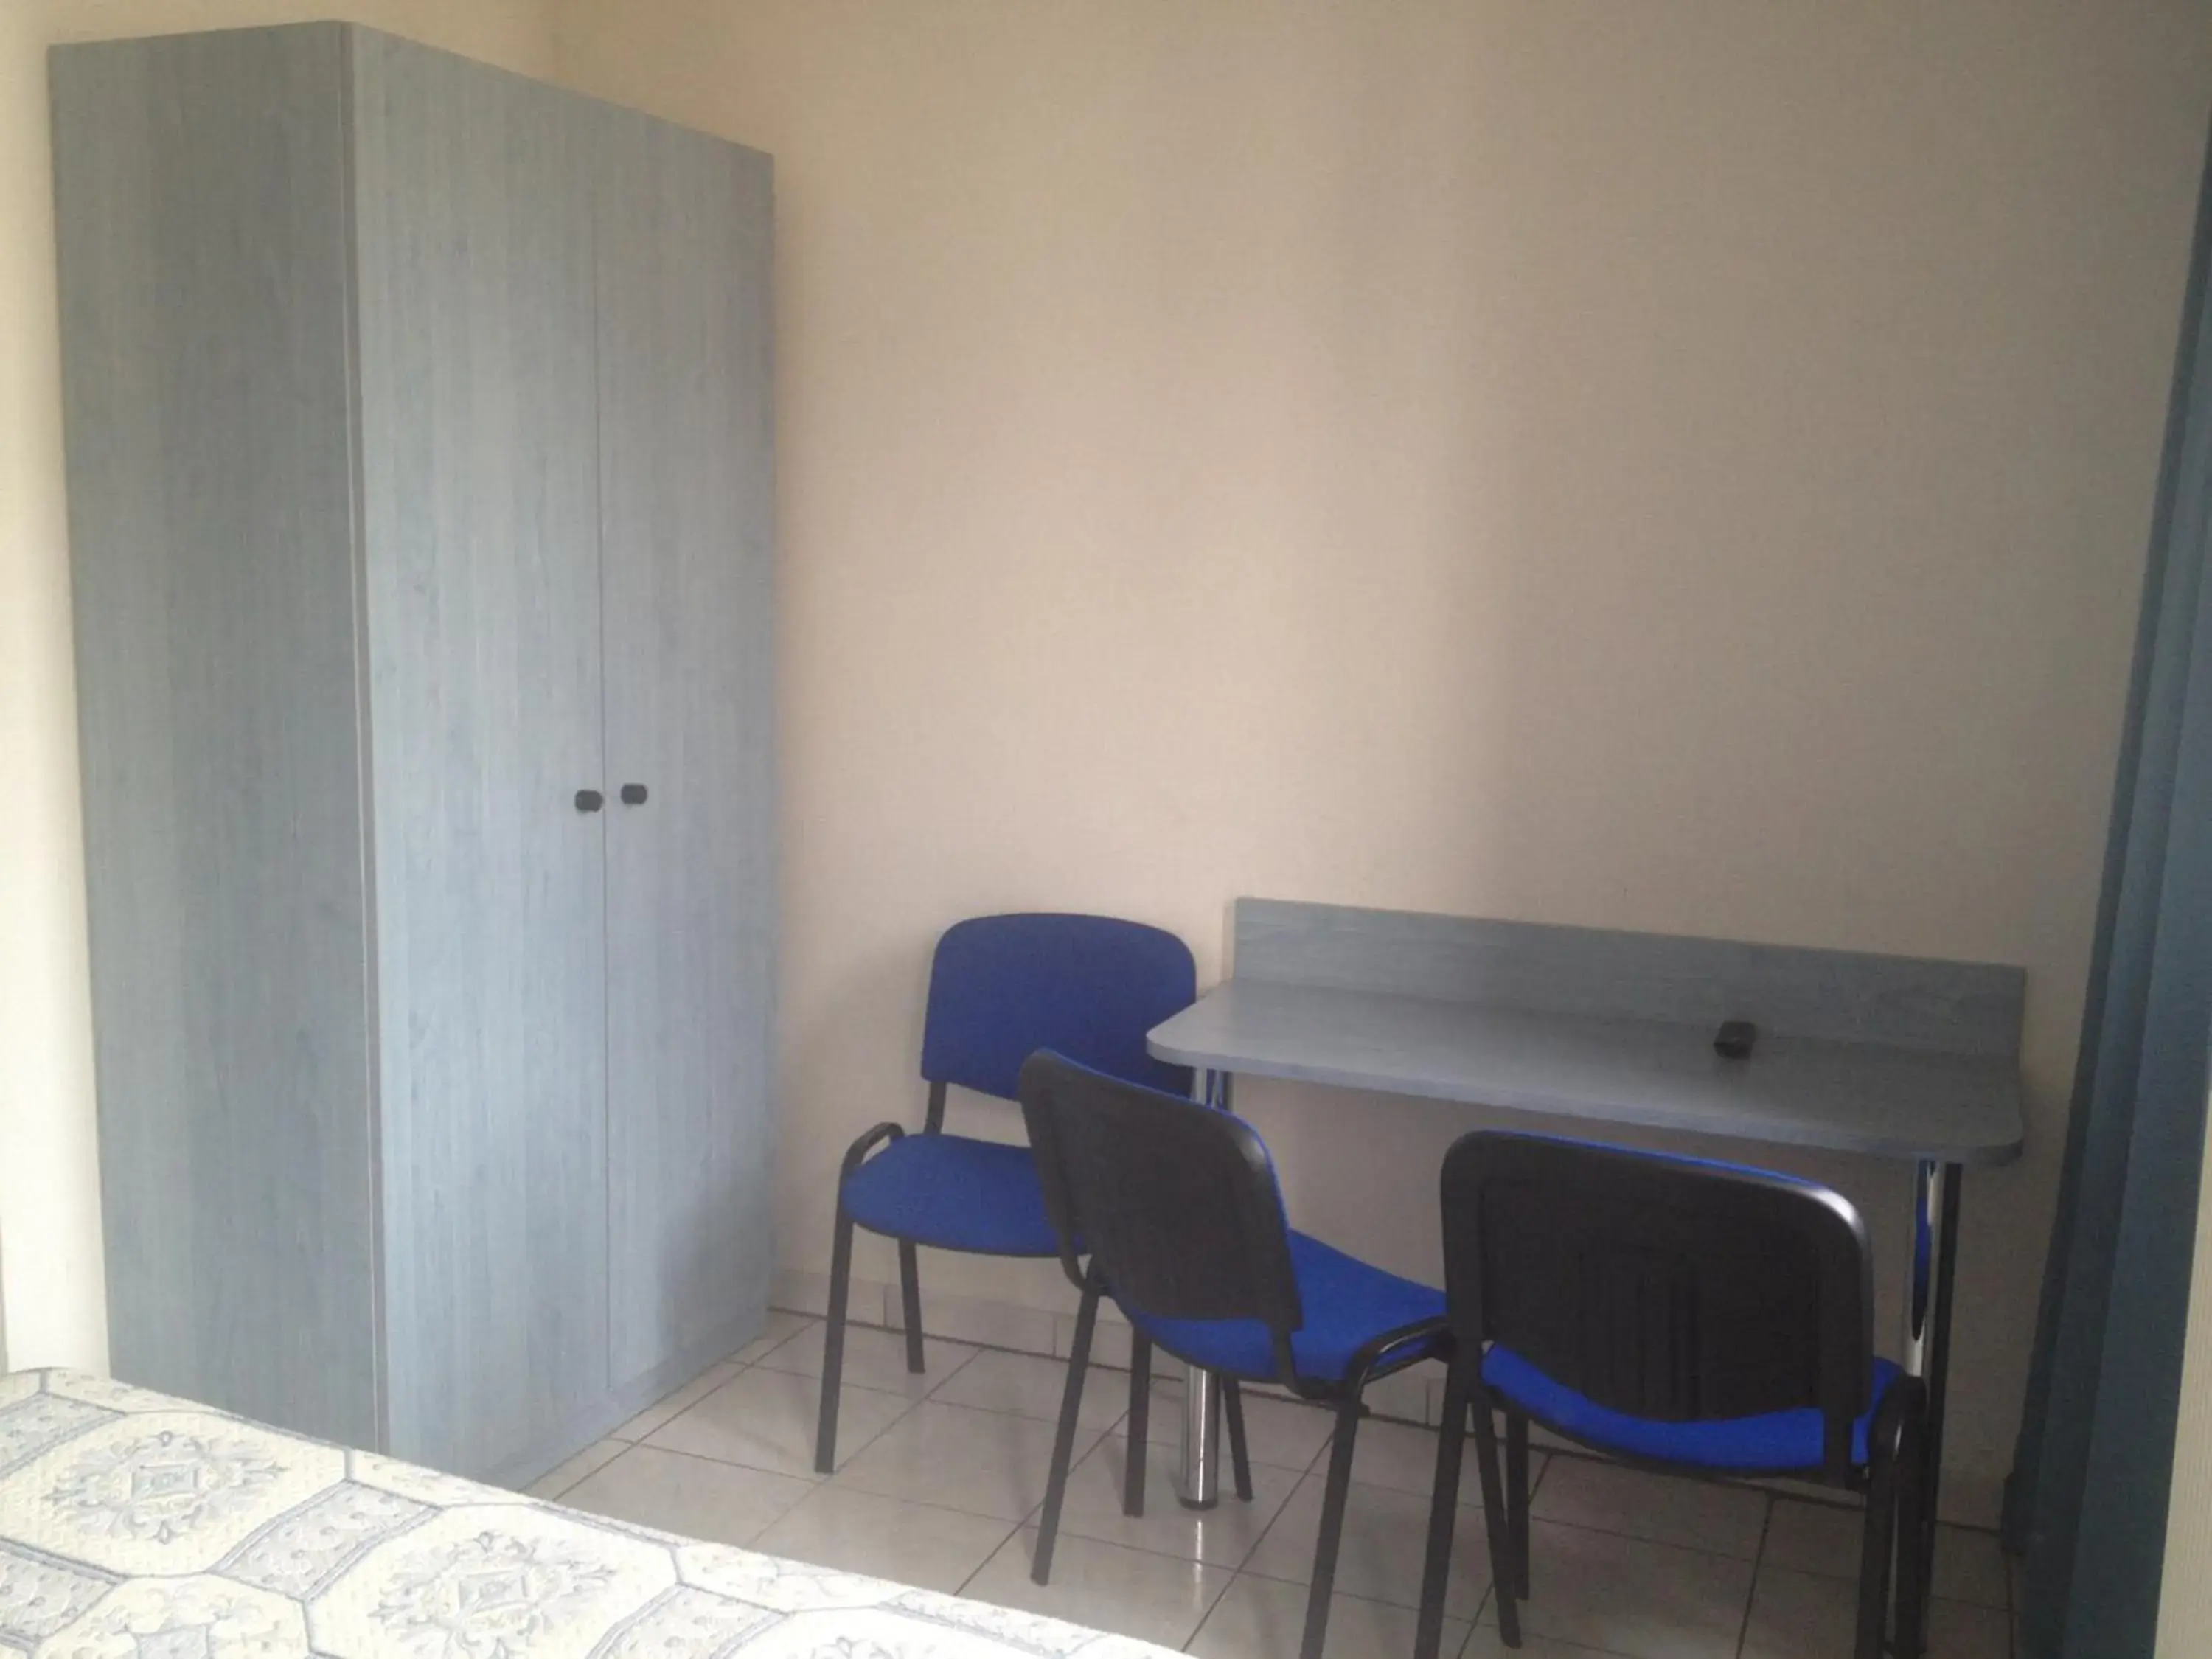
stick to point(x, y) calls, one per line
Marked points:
point(1516, 1496)
point(1911, 1570)
point(1334, 1494)
point(1877, 1548)
point(833, 1343)
point(1443, 1511)
point(1502, 1575)
point(1240, 1458)
point(910, 1301)
point(1063, 1441)
point(1139, 1425)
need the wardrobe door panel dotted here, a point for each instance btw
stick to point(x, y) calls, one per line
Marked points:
point(199, 185)
point(687, 510)
point(480, 498)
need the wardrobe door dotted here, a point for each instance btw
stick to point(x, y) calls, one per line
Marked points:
point(480, 464)
point(687, 516)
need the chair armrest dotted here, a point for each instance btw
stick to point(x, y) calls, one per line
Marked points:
point(855, 1153)
point(1431, 1336)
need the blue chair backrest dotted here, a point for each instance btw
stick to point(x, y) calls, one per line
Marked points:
point(1001, 988)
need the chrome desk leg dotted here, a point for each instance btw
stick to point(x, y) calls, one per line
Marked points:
point(1930, 1276)
point(1198, 1484)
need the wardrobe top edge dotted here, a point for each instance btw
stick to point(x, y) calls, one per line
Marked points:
point(91, 45)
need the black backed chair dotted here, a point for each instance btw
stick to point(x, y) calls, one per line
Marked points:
point(999, 988)
point(1175, 1205)
point(1673, 1313)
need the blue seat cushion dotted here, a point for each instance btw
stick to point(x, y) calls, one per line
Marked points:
point(1779, 1440)
point(954, 1193)
point(1346, 1303)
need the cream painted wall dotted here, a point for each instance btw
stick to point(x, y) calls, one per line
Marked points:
point(52, 1308)
point(1682, 467)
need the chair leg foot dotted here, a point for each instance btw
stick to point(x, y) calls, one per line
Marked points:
point(1443, 1510)
point(1516, 1497)
point(1877, 1550)
point(910, 1303)
point(1139, 1425)
point(1063, 1441)
point(1240, 1457)
point(1504, 1577)
point(1334, 1494)
point(833, 1343)
point(1911, 1523)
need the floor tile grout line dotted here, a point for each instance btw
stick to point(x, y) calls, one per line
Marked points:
point(1227, 1584)
point(809, 1479)
point(1228, 1574)
point(1639, 1538)
point(1119, 1421)
point(1282, 1510)
point(1118, 1425)
point(1098, 1438)
point(789, 1336)
point(833, 1483)
point(1029, 1515)
point(1257, 1390)
point(990, 1556)
point(1757, 1566)
point(1571, 1526)
point(1811, 1494)
point(946, 1381)
point(737, 1368)
point(845, 1454)
point(1335, 1597)
point(815, 1483)
point(628, 1448)
point(1199, 1630)
point(1098, 1435)
point(1232, 1572)
point(782, 1515)
point(1240, 1566)
point(1489, 1595)
point(1120, 1417)
point(556, 1496)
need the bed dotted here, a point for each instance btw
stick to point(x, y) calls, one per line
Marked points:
point(134, 1526)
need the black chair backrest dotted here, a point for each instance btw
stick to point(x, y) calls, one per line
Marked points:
point(1174, 1202)
point(1661, 1287)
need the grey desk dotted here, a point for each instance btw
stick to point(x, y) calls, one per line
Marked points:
point(1887, 1056)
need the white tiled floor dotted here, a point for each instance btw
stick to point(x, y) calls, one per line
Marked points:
point(940, 1477)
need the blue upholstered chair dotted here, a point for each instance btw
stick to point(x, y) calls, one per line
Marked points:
point(1000, 988)
point(1177, 1208)
point(1673, 1313)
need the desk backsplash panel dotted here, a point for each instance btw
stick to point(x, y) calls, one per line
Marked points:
point(1946, 1008)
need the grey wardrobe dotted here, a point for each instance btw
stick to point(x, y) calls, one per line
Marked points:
point(419, 450)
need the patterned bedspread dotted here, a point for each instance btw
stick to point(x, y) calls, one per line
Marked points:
point(133, 1526)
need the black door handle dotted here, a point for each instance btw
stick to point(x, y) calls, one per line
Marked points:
point(589, 800)
point(632, 794)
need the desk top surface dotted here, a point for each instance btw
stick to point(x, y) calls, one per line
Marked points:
point(1846, 1096)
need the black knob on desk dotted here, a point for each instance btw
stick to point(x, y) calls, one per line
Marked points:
point(632, 794)
point(589, 800)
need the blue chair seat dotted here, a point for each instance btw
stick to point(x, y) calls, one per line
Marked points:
point(1778, 1441)
point(1346, 1303)
point(955, 1194)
